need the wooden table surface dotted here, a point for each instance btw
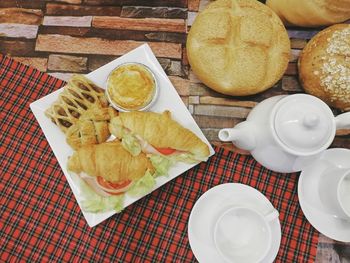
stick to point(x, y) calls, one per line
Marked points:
point(62, 37)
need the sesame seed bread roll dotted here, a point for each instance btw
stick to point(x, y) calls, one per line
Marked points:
point(238, 47)
point(324, 66)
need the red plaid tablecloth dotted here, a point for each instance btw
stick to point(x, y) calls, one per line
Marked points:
point(41, 221)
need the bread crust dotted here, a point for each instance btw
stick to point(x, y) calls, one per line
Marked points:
point(91, 128)
point(311, 13)
point(324, 66)
point(110, 161)
point(238, 47)
point(161, 131)
point(79, 95)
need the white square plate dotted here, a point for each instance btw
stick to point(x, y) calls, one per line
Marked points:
point(168, 100)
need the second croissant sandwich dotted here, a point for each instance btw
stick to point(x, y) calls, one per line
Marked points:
point(108, 167)
point(158, 133)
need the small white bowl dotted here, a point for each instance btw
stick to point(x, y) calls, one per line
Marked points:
point(151, 102)
point(243, 235)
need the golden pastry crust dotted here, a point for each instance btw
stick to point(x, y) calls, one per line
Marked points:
point(79, 95)
point(161, 131)
point(238, 47)
point(131, 86)
point(110, 161)
point(324, 66)
point(311, 13)
point(91, 128)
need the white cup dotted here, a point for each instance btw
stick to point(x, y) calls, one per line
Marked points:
point(243, 235)
point(334, 191)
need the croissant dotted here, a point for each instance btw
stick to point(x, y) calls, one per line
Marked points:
point(110, 161)
point(91, 128)
point(159, 130)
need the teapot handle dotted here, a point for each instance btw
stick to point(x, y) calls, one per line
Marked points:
point(342, 121)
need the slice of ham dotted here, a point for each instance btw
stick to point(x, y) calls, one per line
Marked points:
point(146, 147)
point(100, 190)
point(114, 191)
point(149, 149)
point(91, 181)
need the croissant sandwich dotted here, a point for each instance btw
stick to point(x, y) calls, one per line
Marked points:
point(155, 133)
point(108, 168)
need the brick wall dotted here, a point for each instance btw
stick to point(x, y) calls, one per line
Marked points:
point(77, 36)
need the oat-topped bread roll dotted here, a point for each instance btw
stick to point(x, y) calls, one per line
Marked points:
point(311, 13)
point(79, 95)
point(238, 47)
point(324, 66)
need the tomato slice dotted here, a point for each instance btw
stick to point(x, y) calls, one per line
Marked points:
point(165, 151)
point(113, 188)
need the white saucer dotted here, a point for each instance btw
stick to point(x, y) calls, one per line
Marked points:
point(310, 202)
point(212, 204)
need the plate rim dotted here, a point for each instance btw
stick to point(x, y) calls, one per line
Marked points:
point(308, 210)
point(276, 225)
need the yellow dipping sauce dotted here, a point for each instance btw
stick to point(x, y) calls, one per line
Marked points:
point(131, 86)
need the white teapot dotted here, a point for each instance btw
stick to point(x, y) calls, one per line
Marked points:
point(287, 133)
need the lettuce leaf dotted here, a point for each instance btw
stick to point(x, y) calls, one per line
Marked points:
point(102, 204)
point(183, 157)
point(115, 128)
point(131, 144)
point(143, 186)
point(93, 202)
point(161, 164)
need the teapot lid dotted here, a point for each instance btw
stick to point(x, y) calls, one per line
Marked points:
point(303, 124)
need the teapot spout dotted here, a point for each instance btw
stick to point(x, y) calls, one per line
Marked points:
point(229, 134)
point(242, 136)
